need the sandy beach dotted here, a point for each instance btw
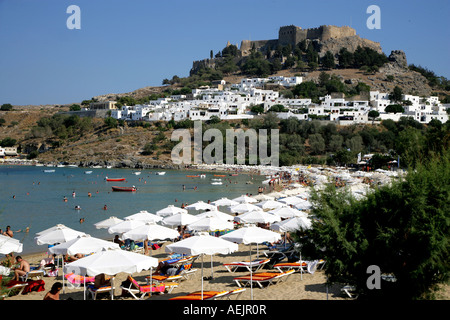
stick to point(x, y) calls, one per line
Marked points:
point(311, 287)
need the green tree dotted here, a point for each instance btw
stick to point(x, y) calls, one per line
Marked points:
point(328, 60)
point(402, 228)
point(110, 122)
point(316, 143)
point(75, 107)
point(396, 94)
point(394, 108)
point(6, 107)
point(373, 114)
point(8, 142)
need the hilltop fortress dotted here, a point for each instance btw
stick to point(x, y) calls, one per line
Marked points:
point(325, 38)
point(293, 35)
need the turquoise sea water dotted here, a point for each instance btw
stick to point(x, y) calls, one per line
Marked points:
point(32, 198)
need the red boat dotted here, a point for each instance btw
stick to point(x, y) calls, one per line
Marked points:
point(115, 179)
point(128, 189)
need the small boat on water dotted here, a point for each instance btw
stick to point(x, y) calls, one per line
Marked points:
point(49, 171)
point(234, 174)
point(114, 179)
point(161, 173)
point(137, 173)
point(219, 175)
point(127, 189)
point(213, 179)
point(87, 172)
point(216, 183)
point(190, 176)
point(203, 175)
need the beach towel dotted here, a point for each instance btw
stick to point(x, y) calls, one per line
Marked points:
point(33, 285)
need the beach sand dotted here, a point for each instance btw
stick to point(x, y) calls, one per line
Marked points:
point(311, 287)
point(294, 288)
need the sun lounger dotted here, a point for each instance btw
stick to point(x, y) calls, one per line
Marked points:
point(234, 293)
point(16, 286)
point(76, 280)
point(139, 292)
point(32, 274)
point(301, 266)
point(350, 291)
point(263, 278)
point(92, 291)
point(207, 295)
point(254, 264)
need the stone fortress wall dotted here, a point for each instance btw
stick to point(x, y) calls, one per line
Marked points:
point(293, 35)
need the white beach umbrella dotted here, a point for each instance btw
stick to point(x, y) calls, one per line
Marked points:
point(201, 245)
point(217, 214)
point(263, 197)
point(200, 205)
point(303, 205)
point(8, 245)
point(144, 216)
point(287, 212)
point(245, 199)
point(292, 200)
point(244, 207)
point(257, 217)
point(105, 224)
point(292, 224)
point(125, 226)
point(249, 235)
point(270, 204)
point(170, 210)
point(111, 262)
point(151, 231)
point(210, 224)
point(58, 226)
point(83, 244)
point(179, 219)
point(59, 234)
point(224, 202)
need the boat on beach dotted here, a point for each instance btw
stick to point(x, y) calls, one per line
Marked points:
point(114, 179)
point(126, 189)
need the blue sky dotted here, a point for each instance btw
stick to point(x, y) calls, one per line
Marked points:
point(126, 45)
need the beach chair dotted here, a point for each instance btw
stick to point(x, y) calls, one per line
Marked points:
point(139, 292)
point(32, 274)
point(76, 280)
point(301, 265)
point(249, 265)
point(17, 286)
point(234, 293)
point(93, 292)
point(350, 291)
point(197, 295)
point(183, 273)
point(263, 278)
